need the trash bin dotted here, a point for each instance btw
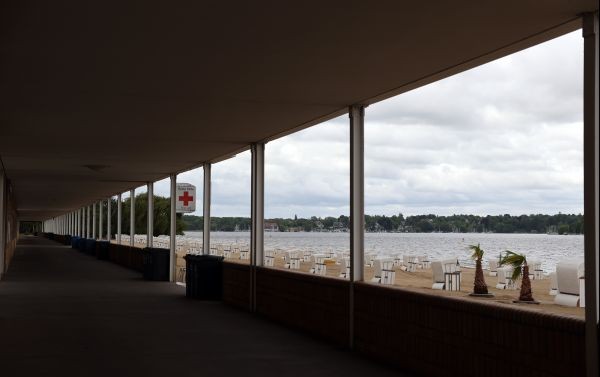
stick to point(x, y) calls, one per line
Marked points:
point(80, 244)
point(155, 264)
point(102, 249)
point(90, 246)
point(204, 276)
point(74, 242)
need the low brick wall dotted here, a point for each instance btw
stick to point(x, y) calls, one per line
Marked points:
point(314, 304)
point(441, 336)
point(237, 285)
point(126, 256)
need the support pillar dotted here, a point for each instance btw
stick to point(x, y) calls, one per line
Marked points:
point(119, 217)
point(257, 204)
point(100, 220)
point(206, 210)
point(94, 220)
point(109, 219)
point(357, 204)
point(173, 231)
point(150, 216)
point(257, 211)
point(2, 222)
point(590, 188)
point(132, 218)
point(87, 221)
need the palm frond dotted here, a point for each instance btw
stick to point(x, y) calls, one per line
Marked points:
point(516, 261)
point(477, 251)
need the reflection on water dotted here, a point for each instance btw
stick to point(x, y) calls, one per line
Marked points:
point(548, 248)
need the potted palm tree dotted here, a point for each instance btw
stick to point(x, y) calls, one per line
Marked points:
point(520, 268)
point(479, 287)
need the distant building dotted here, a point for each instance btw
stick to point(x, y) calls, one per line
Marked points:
point(271, 227)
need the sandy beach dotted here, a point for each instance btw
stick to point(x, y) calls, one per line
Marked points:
point(421, 280)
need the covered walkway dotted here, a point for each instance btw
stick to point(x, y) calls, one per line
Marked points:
point(68, 314)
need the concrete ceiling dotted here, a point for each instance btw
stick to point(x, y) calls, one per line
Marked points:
point(99, 97)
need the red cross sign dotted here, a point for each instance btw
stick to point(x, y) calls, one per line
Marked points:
point(186, 198)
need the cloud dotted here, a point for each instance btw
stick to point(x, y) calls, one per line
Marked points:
point(501, 138)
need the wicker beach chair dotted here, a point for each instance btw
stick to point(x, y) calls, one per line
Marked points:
point(438, 275)
point(505, 278)
point(345, 268)
point(319, 267)
point(570, 283)
point(553, 284)
point(493, 267)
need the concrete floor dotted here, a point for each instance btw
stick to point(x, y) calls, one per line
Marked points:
point(63, 313)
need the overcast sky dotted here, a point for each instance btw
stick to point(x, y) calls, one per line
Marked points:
point(505, 137)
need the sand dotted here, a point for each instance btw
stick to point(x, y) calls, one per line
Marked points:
point(421, 281)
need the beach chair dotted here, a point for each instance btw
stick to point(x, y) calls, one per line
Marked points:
point(553, 284)
point(505, 278)
point(383, 271)
point(535, 269)
point(291, 260)
point(319, 267)
point(369, 259)
point(244, 253)
point(269, 258)
point(345, 268)
point(570, 283)
point(397, 260)
point(493, 267)
point(307, 256)
point(226, 251)
point(439, 282)
point(424, 261)
point(388, 274)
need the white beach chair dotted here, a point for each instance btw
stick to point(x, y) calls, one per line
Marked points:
point(307, 256)
point(505, 278)
point(369, 259)
point(376, 271)
point(244, 254)
point(345, 268)
point(438, 275)
point(535, 269)
point(269, 258)
point(319, 267)
point(291, 260)
point(493, 267)
point(383, 271)
point(553, 284)
point(570, 283)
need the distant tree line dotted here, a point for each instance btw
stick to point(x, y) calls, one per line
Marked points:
point(162, 210)
point(556, 224)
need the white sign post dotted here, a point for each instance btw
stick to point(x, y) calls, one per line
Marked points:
point(185, 198)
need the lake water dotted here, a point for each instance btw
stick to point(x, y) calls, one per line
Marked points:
point(547, 248)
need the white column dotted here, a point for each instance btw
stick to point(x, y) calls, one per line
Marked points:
point(173, 235)
point(150, 215)
point(119, 217)
point(257, 204)
point(88, 222)
point(590, 188)
point(2, 222)
point(109, 219)
point(206, 210)
point(357, 205)
point(100, 220)
point(94, 220)
point(357, 195)
point(132, 218)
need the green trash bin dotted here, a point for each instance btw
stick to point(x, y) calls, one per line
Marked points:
point(204, 276)
point(155, 264)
